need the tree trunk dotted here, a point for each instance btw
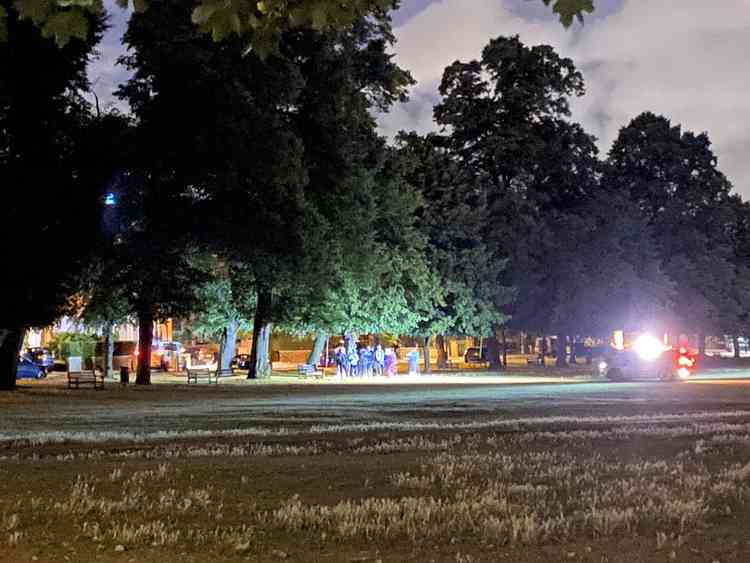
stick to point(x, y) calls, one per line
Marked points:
point(263, 367)
point(573, 356)
point(318, 347)
point(505, 348)
point(145, 338)
point(259, 363)
point(426, 353)
point(109, 349)
point(228, 345)
point(442, 358)
point(10, 348)
point(736, 346)
point(561, 352)
point(493, 351)
point(701, 344)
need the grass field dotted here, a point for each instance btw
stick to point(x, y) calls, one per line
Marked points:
point(454, 481)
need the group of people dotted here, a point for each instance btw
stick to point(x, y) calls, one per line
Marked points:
point(357, 360)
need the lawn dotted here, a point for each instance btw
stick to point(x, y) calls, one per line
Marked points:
point(455, 483)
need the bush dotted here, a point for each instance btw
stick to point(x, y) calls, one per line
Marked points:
point(67, 344)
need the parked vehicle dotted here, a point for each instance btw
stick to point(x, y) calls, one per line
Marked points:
point(241, 361)
point(201, 355)
point(472, 355)
point(648, 358)
point(165, 355)
point(28, 369)
point(123, 355)
point(43, 357)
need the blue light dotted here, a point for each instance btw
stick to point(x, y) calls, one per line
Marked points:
point(110, 199)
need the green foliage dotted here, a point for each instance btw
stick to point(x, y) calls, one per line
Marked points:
point(50, 154)
point(67, 344)
point(261, 25)
point(218, 309)
point(672, 177)
point(468, 292)
point(570, 9)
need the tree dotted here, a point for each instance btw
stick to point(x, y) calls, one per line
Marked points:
point(49, 169)
point(507, 118)
point(453, 219)
point(219, 317)
point(385, 285)
point(673, 178)
point(261, 24)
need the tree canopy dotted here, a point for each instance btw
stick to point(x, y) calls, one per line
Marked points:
point(261, 24)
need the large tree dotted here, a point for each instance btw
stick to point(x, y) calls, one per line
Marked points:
point(507, 118)
point(454, 219)
point(51, 173)
point(673, 178)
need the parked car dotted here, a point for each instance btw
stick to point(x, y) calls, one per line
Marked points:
point(28, 369)
point(123, 355)
point(472, 355)
point(43, 357)
point(241, 361)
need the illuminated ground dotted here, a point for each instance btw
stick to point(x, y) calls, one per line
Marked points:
point(525, 471)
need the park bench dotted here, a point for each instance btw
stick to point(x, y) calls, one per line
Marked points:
point(307, 370)
point(224, 372)
point(212, 376)
point(85, 377)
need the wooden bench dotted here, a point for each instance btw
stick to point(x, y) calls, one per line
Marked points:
point(212, 376)
point(225, 372)
point(85, 377)
point(194, 374)
point(306, 370)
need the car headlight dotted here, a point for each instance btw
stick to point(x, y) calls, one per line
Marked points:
point(647, 347)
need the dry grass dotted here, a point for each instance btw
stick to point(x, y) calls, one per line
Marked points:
point(459, 491)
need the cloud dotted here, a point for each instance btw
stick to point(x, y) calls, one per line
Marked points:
point(104, 74)
point(685, 59)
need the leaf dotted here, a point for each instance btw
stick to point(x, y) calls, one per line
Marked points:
point(35, 10)
point(569, 9)
point(78, 3)
point(3, 24)
point(319, 16)
point(65, 25)
point(140, 6)
point(202, 13)
point(262, 7)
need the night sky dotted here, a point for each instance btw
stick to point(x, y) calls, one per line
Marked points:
point(685, 59)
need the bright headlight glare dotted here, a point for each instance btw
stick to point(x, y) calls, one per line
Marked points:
point(683, 373)
point(602, 366)
point(647, 347)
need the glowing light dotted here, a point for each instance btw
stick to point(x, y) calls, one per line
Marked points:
point(618, 340)
point(685, 361)
point(110, 199)
point(647, 347)
point(602, 366)
point(683, 373)
point(683, 350)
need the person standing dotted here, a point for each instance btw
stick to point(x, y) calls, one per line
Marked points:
point(339, 355)
point(390, 362)
point(379, 360)
point(413, 359)
point(353, 362)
